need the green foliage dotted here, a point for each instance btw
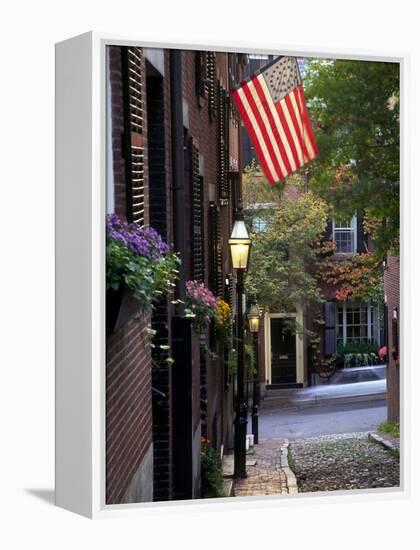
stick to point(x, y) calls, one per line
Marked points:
point(391, 428)
point(357, 354)
point(279, 271)
point(360, 359)
point(232, 362)
point(357, 347)
point(250, 359)
point(211, 471)
point(148, 279)
point(355, 107)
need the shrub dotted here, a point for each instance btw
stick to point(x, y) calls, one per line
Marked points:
point(211, 471)
point(357, 354)
point(357, 347)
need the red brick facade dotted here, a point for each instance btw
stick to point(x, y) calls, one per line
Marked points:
point(128, 357)
point(128, 403)
point(153, 406)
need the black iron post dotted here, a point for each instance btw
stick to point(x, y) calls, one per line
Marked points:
point(241, 408)
point(256, 392)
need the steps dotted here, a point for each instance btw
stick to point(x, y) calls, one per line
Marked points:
point(277, 398)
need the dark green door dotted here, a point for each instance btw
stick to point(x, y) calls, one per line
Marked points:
point(283, 351)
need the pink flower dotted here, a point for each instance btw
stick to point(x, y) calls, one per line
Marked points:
point(382, 352)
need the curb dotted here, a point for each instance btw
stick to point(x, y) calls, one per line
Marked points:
point(284, 463)
point(382, 441)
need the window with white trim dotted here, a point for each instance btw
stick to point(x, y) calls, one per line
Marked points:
point(345, 235)
point(357, 322)
point(259, 224)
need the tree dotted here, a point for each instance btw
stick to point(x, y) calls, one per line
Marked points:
point(284, 254)
point(355, 109)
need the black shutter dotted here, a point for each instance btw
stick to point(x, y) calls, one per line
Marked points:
point(330, 335)
point(229, 291)
point(133, 149)
point(212, 83)
point(200, 73)
point(223, 139)
point(329, 231)
point(197, 223)
point(362, 238)
point(216, 260)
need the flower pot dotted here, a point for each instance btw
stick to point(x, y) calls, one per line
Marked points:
point(114, 300)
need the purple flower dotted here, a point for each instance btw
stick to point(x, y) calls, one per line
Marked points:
point(142, 241)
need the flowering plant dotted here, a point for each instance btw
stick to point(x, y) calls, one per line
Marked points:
point(201, 305)
point(140, 259)
point(223, 321)
point(382, 352)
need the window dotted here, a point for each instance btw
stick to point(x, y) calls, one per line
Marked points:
point(345, 235)
point(259, 224)
point(356, 322)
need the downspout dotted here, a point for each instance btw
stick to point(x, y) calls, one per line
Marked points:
point(178, 182)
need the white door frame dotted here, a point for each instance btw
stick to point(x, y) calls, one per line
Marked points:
point(298, 315)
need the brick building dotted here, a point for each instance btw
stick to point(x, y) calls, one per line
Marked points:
point(173, 163)
point(286, 359)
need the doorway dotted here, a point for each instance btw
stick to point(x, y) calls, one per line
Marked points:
point(283, 351)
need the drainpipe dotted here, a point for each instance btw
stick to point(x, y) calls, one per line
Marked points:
point(178, 182)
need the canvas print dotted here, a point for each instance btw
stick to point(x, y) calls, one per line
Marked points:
point(252, 274)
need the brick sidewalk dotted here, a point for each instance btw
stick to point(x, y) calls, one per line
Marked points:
point(268, 476)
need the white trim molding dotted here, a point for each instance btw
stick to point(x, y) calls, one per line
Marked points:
point(300, 365)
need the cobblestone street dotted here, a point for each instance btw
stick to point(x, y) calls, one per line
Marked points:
point(266, 476)
point(340, 462)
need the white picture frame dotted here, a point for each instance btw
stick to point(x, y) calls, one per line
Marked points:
point(80, 274)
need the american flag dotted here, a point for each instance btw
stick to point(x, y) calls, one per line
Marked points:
point(272, 105)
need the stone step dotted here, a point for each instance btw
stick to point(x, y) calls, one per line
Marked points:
point(228, 487)
point(228, 465)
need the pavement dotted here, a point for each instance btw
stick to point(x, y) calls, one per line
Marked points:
point(358, 460)
point(268, 471)
point(322, 419)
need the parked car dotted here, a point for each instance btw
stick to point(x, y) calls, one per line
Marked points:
point(358, 374)
point(358, 383)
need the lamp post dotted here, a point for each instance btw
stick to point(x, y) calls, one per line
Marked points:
point(240, 244)
point(254, 327)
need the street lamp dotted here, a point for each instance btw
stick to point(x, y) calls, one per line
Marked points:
point(240, 244)
point(254, 328)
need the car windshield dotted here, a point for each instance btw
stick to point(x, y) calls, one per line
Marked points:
point(362, 374)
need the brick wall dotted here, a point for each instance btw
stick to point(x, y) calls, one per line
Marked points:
point(128, 406)
point(128, 355)
point(392, 298)
point(117, 128)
